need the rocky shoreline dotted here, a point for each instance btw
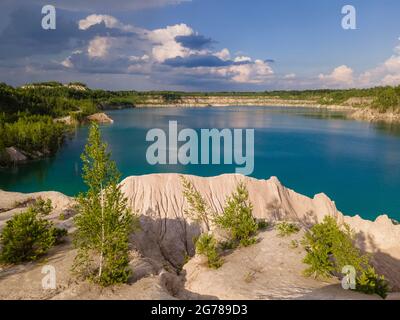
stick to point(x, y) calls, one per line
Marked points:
point(99, 117)
point(371, 115)
point(354, 108)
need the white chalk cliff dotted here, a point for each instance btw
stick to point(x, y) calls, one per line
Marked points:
point(159, 198)
point(269, 269)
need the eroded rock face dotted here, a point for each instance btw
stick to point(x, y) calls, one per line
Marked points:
point(166, 240)
point(12, 203)
point(167, 232)
point(160, 196)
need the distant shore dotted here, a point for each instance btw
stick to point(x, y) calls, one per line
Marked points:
point(352, 112)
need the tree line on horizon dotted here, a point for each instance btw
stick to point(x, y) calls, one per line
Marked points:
point(56, 99)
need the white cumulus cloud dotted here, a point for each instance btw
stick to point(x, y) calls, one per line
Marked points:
point(141, 51)
point(99, 47)
point(255, 73)
point(340, 76)
point(166, 47)
point(224, 54)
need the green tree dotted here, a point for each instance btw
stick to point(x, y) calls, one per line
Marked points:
point(198, 210)
point(370, 282)
point(330, 247)
point(207, 245)
point(238, 218)
point(387, 99)
point(103, 222)
point(29, 235)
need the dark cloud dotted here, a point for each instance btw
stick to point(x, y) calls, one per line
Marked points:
point(24, 35)
point(202, 60)
point(29, 53)
point(204, 82)
point(100, 29)
point(194, 41)
point(81, 62)
point(194, 61)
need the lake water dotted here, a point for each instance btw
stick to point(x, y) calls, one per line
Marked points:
point(356, 164)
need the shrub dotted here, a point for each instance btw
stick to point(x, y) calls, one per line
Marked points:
point(227, 245)
point(198, 210)
point(207, 245)
point(330, 247)
point(286, 228)
point(371, 283)
point(28, 235)
point(238, 218)
point(262, 224)
point(41, 206)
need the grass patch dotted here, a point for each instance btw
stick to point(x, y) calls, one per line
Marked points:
point(286, 229)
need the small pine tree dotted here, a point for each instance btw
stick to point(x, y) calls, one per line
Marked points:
point(207, 245)
point(29, 235)
point(238, 218)
point(198, 210)
point(370, 283)
point(103, 222)
point(330, 247)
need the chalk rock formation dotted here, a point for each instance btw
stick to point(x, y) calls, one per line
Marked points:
point(100, 117)
point(270, 269)
point(159, 199)
point(12, 203)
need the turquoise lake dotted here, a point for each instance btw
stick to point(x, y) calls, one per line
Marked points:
point(357, 164)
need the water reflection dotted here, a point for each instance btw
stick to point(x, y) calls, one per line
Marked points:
point(388, 128)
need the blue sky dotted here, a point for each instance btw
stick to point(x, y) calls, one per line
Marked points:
point(202, 44)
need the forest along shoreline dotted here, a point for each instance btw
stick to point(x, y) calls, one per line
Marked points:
point(36, 118)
